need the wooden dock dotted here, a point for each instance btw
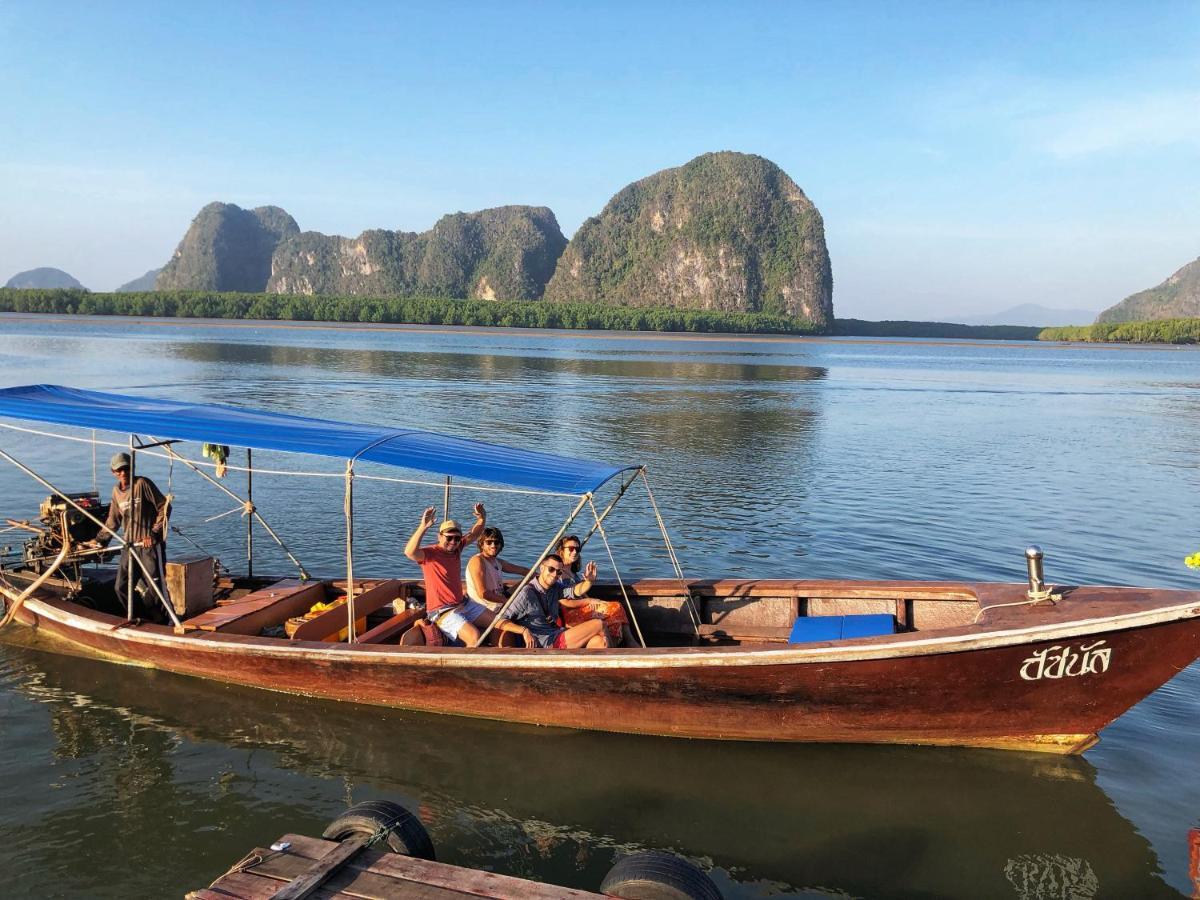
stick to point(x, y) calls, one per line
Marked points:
point(311, 867)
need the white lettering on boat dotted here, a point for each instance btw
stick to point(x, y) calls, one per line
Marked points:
point(1067, 662)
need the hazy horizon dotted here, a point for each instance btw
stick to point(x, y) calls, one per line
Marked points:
point(966, 160)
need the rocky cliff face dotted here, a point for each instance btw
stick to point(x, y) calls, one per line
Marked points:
point(44, 277)
point(507, 253)
point(1176, 298)
point(227, 248)
point(141, 283)
point(727, 231)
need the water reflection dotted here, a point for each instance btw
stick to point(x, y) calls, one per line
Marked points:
point(557, 805)
point(481, 368)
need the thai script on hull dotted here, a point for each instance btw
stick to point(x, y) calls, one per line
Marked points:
point(1067, 662)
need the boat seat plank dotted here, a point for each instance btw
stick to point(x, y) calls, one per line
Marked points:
point(269, 606)
point(375, 596)
point(392, 628)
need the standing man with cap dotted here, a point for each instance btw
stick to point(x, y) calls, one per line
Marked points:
point(441, 564)
point(141, 510)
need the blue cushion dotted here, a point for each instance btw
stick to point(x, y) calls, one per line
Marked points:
point(808, 629)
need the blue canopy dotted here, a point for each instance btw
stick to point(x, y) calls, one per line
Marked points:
point(218, 424)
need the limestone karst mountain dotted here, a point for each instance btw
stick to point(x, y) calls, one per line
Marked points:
point(1176, 298)
point(43, 277)
point(227, 248)
point(141, 283)
point(506, 253)
point(727, 231)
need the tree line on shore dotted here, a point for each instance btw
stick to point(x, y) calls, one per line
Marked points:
point(396, 310)
point(542, 314)
point(1155, 331)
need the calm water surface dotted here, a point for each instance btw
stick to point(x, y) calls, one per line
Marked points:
point(859, 459)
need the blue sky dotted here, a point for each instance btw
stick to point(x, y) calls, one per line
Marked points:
point(966, 157)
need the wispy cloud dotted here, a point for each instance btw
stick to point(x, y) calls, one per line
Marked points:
point(1146, 120)
point(1065, 118)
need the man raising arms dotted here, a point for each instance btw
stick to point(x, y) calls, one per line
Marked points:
point(441, 564)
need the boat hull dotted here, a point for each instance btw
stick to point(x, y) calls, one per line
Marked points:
point(1002, 690)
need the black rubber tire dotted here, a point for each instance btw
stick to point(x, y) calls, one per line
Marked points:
point(405, 833)
point(652, 875)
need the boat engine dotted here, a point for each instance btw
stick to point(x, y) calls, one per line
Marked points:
point(39, 552)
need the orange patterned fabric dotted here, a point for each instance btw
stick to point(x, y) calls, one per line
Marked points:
point(610, 611)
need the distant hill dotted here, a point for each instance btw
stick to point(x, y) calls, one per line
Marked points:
point(726, 231)
point(144, 283)
point(1034, 315)
point(42, 278)
point(1176, 298)
point(506, 253)
point(227, 248)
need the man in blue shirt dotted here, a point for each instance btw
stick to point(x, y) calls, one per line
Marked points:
point(533, 612)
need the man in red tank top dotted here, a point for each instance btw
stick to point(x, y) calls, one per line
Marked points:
point(441, 564)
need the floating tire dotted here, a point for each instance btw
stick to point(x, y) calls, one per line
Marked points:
point(405, 833)
point(651, 875)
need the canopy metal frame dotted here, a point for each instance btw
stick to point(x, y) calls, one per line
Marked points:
point(169, 451)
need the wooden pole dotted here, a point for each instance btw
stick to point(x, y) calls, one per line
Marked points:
point(129, 547)
point(250, 516)
point(350, 635)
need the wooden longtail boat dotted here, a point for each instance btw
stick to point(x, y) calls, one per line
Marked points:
point(1014, 666)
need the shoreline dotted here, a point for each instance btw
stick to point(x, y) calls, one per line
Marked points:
point(694, 337)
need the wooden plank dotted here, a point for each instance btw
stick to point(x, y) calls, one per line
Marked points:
point(390, 629)
point(319, 871)
point(271, 605)
point(334, 620)
point(354, 880)
point(244, 886)
point(435, 874)
point(755, 632)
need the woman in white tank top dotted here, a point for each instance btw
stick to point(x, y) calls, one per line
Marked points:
point(485, 571)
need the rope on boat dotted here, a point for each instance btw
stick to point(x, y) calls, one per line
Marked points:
point(612, 503)
point(237, 509)
point(687, 592)
point(1051, 596)
point(620, 582)
point(283, 472)
point(247, 508)
point(221, 565)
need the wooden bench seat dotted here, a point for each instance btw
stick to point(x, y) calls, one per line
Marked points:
point(368, 597)
point(270, 606)
point(387, 632)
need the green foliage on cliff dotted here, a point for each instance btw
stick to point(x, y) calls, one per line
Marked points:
point(507, 253)
point(394, 310)
point(227, 248)
point(1176, 298)
point(1157, 331)
point(727, 231)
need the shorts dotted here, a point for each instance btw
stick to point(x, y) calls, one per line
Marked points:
point(457, 616)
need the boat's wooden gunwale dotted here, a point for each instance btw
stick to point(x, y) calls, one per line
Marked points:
point(952, 640)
